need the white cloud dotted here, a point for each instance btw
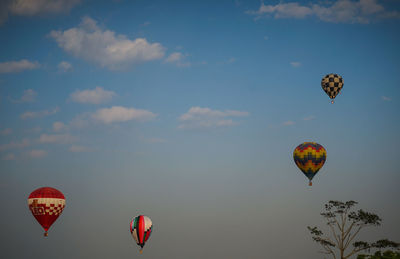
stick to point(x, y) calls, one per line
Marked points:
point(295, 64)
point(5, 132)
point(37, 153)
point(95, 96)
point(121, 114)
point(9, 156)
point(178, 59)
point(56, 138)
point(308, 118)
point(283, 10)
point(349, 11)
point(340, 11)
point(105, 47)
point(35, 7)
point(174, 57)
point(58, 126)
point(65, 66)
point(288, 123)
point(198, 117)
point(38, 114)
point(387, 99)
point(17, 66)
point(79, 149)
point(14, 145)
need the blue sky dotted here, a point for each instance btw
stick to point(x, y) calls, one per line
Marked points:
point(189, 112)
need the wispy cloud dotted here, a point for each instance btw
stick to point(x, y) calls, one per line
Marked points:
point(9, 156)
point(295, 64)
point(283, 10)
point(56, 138)
point(288, 123)
point(122, 114)
point(64, 66)
point(174, 57)
point(387, 99)
point(5, 132)
point(308, 118)
point(58, 126)
point(15, 145)
point(37, 153)
point(178, 59)
point(34, 7)
point(340, 11)
point(17, 66)
point(199, 117)
point(95, 96)
point(145, 24)
point(38, 114)
point(104, 47)
point(231, 60)
point(28, 96)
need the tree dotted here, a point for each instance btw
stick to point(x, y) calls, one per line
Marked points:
point(344, 225)
point(378, 255)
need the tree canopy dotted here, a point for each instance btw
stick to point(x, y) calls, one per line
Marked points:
point(379, 255)
point(344, 225)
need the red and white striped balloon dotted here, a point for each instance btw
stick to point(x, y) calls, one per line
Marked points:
point(141, 228)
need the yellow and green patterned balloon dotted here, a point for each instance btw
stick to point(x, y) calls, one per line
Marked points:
point(309, 158)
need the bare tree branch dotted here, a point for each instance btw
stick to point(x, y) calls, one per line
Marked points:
point(338, 216)
point(353, 236)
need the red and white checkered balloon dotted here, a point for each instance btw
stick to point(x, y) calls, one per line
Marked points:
point(46, 205)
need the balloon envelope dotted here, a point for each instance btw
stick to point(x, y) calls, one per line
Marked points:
point(46, 205)
point(332, 84)
point(309, 158)
point(141, 229)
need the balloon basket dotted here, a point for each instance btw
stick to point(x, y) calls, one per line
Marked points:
point(46, 234)
point(332, 101)
point(141, 251)
point(310, 183)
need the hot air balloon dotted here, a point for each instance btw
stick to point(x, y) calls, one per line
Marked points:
point(46, 205)
point(332, 84)
point(309, 158)
point(141, 228)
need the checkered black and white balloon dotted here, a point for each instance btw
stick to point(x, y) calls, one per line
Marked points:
point(332, 84)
